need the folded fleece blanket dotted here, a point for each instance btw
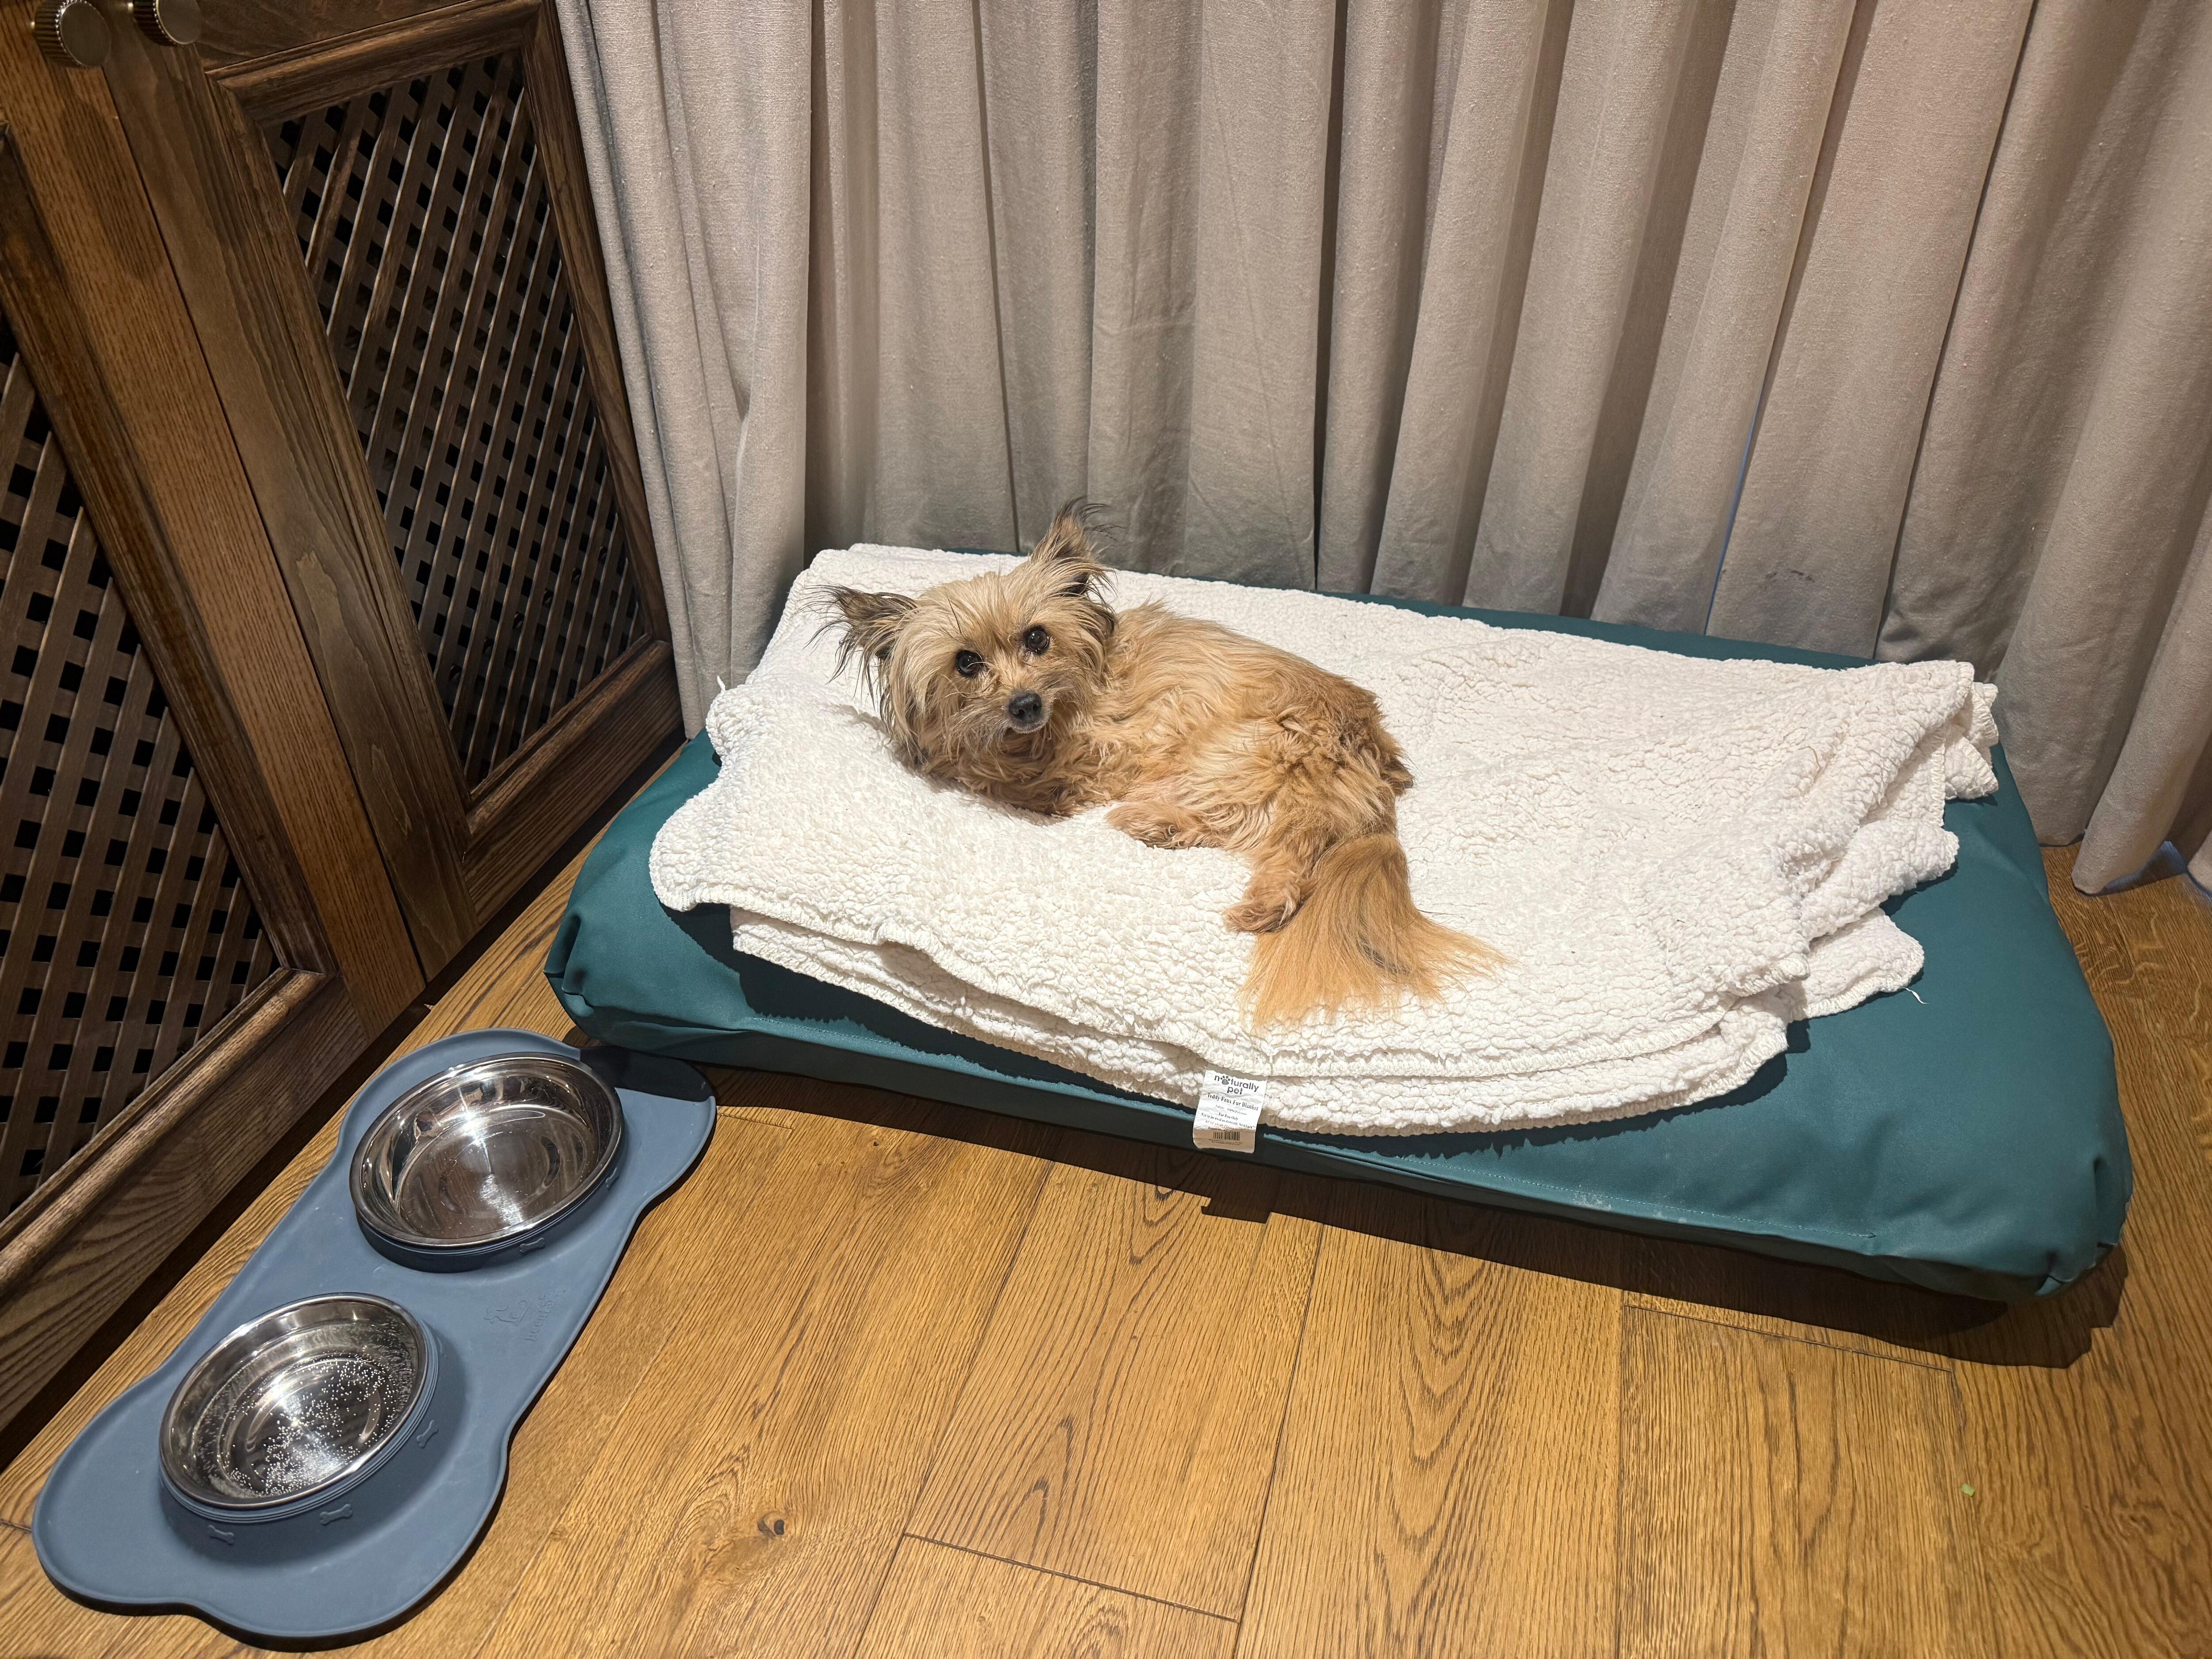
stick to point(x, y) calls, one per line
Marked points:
point(1678, 856)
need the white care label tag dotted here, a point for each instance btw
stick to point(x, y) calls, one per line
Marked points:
point(1228, 1118)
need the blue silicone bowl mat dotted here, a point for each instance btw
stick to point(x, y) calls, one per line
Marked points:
point(104, 1531)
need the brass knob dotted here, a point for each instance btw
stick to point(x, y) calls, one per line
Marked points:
point(73, 32)
point(172, 22)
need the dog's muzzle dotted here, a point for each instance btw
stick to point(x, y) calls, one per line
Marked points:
point(1025, 711)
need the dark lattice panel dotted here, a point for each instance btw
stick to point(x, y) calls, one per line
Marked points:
point(127, 932)
point(429, 242)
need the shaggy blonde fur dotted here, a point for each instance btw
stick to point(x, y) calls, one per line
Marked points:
point(1027, 688)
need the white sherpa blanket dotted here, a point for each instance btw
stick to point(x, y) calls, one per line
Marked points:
point(1678, 856)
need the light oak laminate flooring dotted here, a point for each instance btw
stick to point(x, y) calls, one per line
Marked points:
point(886, 1378)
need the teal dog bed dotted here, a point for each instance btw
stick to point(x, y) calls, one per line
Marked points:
point(1964, 1135)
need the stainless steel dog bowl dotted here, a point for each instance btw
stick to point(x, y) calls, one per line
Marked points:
point(488, 1157)
point(296, 1407)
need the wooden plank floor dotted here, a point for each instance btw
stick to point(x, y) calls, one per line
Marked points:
point(890, 1378)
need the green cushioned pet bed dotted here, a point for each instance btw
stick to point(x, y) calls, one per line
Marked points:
point(1964, 1135)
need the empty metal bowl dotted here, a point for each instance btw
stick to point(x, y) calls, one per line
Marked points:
point(486, 1158)
point(296, 1407)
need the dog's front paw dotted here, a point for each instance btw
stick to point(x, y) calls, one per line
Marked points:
point(1260, 912)
point(1155, 826)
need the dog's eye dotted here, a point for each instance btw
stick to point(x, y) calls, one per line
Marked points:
point(968, 664)
point(1036, 641)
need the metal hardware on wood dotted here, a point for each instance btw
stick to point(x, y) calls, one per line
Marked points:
point(172, 22)
point(73, 32)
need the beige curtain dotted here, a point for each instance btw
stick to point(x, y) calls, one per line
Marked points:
point(2058, 532)
point(1879, 326)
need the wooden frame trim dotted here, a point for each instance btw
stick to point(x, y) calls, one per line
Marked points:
point(62, 1276)
point(236, 260)
point(592, 745)
point(33, 291)
point(452, 847)
point(522, 771)
point(34, 1228)
point(118, 289)
point(71, 1254)
point(99, 318)
point(308, 76)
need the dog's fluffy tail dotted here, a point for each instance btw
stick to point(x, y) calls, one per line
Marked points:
point(1357, 942)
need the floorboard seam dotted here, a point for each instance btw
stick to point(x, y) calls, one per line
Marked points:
point(522, 1577)
point(876, 1595)
point(982, 1335)
point(1784, 1336)
point(740, 1115)
point(1282, 1429)
point(1069, 1577)
point(1620, 1462)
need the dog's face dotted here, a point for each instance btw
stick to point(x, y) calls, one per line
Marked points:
point(972, 670)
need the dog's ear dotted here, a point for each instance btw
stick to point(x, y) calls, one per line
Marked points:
point(870, 623)
point(1064, 551)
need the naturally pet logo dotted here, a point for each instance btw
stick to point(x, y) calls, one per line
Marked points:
point(526, 1316)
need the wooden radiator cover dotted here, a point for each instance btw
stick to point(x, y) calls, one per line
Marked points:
point(126, 931)
point(428, 236)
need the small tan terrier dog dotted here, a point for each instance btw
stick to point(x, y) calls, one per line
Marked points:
point(1028, 688)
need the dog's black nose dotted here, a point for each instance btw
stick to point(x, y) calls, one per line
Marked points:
point(1026, 710)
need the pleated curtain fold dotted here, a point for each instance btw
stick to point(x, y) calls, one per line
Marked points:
point(1877, 326)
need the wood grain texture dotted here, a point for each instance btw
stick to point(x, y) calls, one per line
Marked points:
point(166, 1169)
point(942, 1603)
point(1482, 1452)
point(208, 177)
point(595, 744)
point(141, 1184)
point(140, 335)
point(751, 1496)
point(759, 1096)
point(664, 1281)
point(1807, 1304)
point(668, 1284)
point(505, 987)
point(1448, 1475)
point(516, 653)
point(679, 1239)
point(135, 930)
point(280, 56)
point(150, 1342)
point(2147, 954)
point(422, 211)
point(1781, 1497)
point(2087, 1416)
point(1143, 1345)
